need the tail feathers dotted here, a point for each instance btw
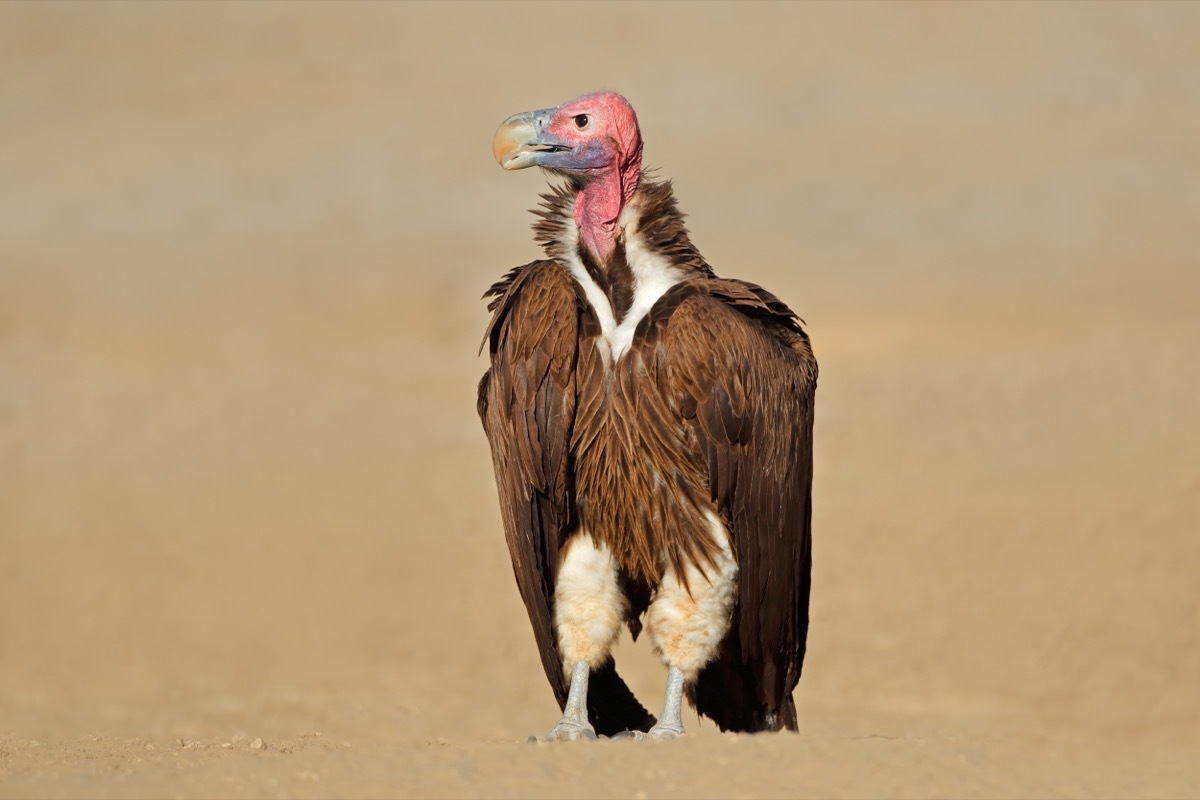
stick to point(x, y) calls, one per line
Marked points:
point(785, 719)
point(730, 695)
point(612, 708)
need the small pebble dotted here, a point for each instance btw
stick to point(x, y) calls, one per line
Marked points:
point(257, 744)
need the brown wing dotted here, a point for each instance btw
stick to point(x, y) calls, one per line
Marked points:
point(527, 403)
point(744, 376)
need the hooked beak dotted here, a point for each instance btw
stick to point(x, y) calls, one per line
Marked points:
point(522, 140)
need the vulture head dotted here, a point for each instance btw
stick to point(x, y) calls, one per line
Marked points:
point(594, 140)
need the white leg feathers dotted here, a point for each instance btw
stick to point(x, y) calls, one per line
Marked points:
point(589, 608)
point(687, 627)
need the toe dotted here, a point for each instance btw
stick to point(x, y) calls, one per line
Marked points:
point(655, 733)
point(565, 733)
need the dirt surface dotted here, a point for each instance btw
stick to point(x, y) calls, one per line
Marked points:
point(249, 541)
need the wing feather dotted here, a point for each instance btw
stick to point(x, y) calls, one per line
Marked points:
point(744, 376)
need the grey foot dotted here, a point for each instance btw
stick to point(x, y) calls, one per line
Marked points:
point(657, 732)
point(670, 722)
point(574, 723)
point(567, 730)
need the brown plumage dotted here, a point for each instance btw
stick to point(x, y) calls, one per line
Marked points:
point(709, 410)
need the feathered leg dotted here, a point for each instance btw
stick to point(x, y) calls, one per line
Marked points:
point(687, 622)
point(588, 612)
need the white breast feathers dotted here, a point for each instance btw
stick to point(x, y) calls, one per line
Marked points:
point(653, 275)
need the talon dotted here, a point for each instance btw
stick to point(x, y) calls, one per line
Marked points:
point(566, 731)
point(657, 732)
point(663, 733)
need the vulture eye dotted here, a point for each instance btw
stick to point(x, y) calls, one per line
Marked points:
point(581, 120)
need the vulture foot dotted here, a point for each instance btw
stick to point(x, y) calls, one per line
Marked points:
point(574, 723)
point(670, 722)
point(567, 730)
point(657, 732)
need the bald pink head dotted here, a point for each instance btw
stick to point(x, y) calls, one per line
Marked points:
point(605, 124)
point(595, 139)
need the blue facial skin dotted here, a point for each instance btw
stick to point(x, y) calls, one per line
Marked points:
point(574, 158)
point(591, 156)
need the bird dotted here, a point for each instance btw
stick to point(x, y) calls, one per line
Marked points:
point(650, 425)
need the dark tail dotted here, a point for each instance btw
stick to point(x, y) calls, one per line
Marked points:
point(739, 697)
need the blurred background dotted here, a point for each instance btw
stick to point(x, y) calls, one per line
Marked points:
point(241, 251)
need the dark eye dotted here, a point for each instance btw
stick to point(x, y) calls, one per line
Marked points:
point(581, 120)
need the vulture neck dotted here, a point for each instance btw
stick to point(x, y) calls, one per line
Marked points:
point(598, 205)
point(648, 251)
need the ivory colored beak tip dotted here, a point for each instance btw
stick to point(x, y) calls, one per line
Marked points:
point(513, 135)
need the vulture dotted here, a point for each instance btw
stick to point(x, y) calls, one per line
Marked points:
point(650, 425)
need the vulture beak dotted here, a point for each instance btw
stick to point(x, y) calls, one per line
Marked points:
point(523, 141)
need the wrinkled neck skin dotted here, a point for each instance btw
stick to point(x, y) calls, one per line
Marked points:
point(599, 204)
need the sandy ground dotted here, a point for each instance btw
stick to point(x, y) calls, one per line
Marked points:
point(249, 543)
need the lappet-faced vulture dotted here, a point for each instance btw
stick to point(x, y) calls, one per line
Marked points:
point(651, 431)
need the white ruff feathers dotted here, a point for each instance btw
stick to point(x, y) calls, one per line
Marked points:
point(653, 275)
